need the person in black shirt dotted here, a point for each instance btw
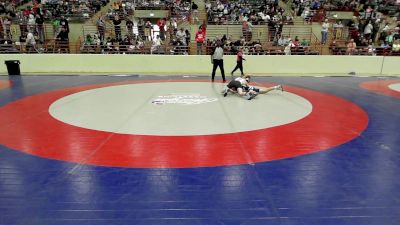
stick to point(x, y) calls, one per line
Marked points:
point(39, 28)
point(64, 23)
point(62, 40)
point(117, 28)
point(129, 27)
point(195, 13)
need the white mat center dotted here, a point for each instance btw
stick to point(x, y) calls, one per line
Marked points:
point(176, 109)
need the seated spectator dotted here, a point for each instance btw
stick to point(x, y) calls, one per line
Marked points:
point(281, 41)
point(88, 44)
point(304, 42)
point(156, 44)
point(30, 43)
point(351, 47)
point(296, 41)
point(181, 36)
point(385, 44)
point(396, 46)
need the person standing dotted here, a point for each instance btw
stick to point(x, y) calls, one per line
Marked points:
point(62, 41)
point(129, 27)
point(161, 24)
point(64, 23)
point(239, 62)
point(117, 28)
point(324, 32)
point(200, 40)
point(101, 28)
point(148, 26)
point(218, 61)
point(40, 28)
point(195, 13)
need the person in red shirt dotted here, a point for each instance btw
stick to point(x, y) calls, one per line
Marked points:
point(239, 61)
point(200, 40)
point(161, 24)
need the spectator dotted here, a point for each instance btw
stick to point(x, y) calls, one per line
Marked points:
point(148, 27)
point(247, 30)
point(296, 41)
point(161, 25)
point(396, 46)
point(200, 35)
point(324, 32)
point(64, 23)
point(351, 47)
point(62, 40)
point(101, 28)
point(117, 28)
point(31, 23)
point(129, 27)
point(156, 44)
point(56, 26)
point(338, 29)
point(187, 37)
point(30, 43)
point(368, 30)
point(40, 28)
point(281, 41)
point(304, 42)
point(385, 44)
point(180, 36)
point(195, 13)
point(7, 27)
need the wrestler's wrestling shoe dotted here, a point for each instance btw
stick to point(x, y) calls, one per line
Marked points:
point(250, 96)
point(225, 91)
point(279, 87)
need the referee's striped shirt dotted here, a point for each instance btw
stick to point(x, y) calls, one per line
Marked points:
point(218, 53)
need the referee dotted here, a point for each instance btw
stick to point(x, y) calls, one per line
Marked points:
point(218, 61)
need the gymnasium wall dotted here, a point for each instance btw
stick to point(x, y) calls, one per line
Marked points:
point(51, 64)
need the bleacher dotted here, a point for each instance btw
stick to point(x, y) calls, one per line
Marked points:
point(265, 30)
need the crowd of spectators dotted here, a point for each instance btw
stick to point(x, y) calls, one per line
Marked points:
point(363, 8)
point(78, 10)
point(131, 36)
point(368, 30)
point(257, 12)
point(285, 46)
point(179, 10)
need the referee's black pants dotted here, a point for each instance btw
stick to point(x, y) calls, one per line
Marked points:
point(218, 63)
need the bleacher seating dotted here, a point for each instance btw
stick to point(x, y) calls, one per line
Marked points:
point(267, 18)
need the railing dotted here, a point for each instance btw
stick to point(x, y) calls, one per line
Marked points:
point(290, 31)
point(268, 50)
point(59, 47)
point(56, 47)
point(363, 51)
point(315, 44)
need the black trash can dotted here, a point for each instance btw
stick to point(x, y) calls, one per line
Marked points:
point(13, 67)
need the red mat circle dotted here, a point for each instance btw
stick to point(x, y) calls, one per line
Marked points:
point(381, 87)
point(27, 126)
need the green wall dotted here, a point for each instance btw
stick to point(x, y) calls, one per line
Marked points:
point(200, 65)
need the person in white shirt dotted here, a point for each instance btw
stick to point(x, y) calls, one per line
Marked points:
point(180, 36)
point(242, 87)
point(324, 32)
point(237, 86)
point(156, 44)
point(368, 30)
point(30, 42)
